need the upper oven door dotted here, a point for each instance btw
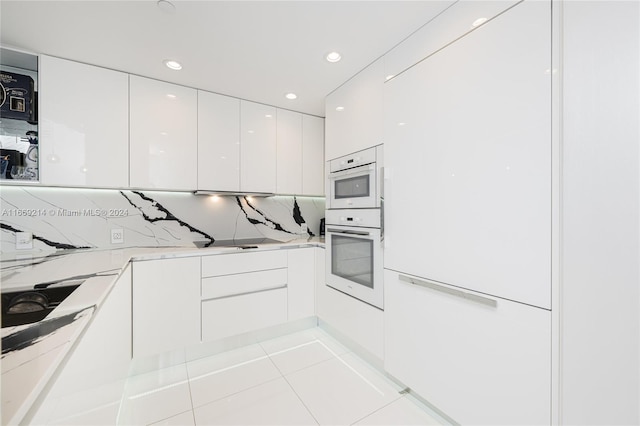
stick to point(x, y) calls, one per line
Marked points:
point(354, 188)
point(354, 262)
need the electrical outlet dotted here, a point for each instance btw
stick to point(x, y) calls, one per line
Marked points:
point(117, 236)
point(303, 228)
point(24, 240)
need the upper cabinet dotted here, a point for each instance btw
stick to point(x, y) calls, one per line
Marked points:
point(18, 116)
point(312, 155)
point(289, 162)
point(163, 135)
point(454, 22)
point(84, 125)
point(257, 147)
point(218, 142)
point(354, 113)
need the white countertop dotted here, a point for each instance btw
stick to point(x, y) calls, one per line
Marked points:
point(26, 370)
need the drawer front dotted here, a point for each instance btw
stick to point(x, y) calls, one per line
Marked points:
point(238, 263)
point(229, 285)
point(235, 315)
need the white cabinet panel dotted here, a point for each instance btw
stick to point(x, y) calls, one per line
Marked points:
point(312, 155)
point(166, 305)
point(479, 364)
point(241, 314)
point(237, 263)
point(218, 142)
point(354, 113)
point(89, 387)
point(229, 285)
point(453, 22)
point(289, 149)
point(301, 283)
point(84, 125)
point(468, 159)
point(257, 147)
point(163, 135)
point(360, 322)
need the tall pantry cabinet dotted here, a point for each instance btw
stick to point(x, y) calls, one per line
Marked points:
point(468, 222)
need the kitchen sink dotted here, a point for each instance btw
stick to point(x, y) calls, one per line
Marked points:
point(29, 306)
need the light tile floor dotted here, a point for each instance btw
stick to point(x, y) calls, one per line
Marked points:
point(304, 378)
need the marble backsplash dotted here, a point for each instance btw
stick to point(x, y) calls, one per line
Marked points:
point(70, 218)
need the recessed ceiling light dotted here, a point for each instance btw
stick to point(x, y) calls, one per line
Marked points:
point(389, 77)
point(171, 96)
point(291, 96)
point(340, 108)
point(333, 57)
point(479, 22)
point(174, 65)
point(166, 6)
point(268, 115)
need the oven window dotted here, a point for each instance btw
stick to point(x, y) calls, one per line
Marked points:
point(352, 259)
point(352, 187)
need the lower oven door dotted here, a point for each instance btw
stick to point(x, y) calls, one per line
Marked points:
point(354, 262)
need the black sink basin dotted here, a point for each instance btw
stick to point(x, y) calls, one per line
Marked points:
point(29, 306)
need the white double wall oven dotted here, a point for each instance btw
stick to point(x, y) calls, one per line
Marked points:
point(354, 228)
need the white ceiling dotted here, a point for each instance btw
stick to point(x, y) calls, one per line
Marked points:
point(255, 50)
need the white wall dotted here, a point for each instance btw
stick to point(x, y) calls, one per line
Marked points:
point(600, 296)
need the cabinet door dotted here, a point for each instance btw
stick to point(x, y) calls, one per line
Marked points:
point(312, 155)
point(166, 305)
point(257, 147)
point(301, 283)
point(163, 135)
point(289, 149)
point(478, 363)
point(354, 113)
point(84, 125)
point(89, 386)
point(218, 142)
point(468, 159)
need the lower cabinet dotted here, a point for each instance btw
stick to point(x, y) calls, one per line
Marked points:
point(89, 388)
point(479, 360)
point(301, 280)
point(166, 305)
point(243, 292)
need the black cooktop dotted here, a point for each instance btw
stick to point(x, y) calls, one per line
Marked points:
point(241, 242)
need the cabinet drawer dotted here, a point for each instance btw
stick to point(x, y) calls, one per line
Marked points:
point(229, 285)
point(237, 263)
point(240, 314)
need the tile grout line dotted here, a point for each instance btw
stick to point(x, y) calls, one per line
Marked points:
point(193, 410)
point(377, 409)
point(293, 390)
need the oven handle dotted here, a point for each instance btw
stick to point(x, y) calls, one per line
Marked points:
point(363, 169)
point(341, 231)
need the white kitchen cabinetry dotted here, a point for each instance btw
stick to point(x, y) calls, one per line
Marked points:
point(354, 113)
point(84, 125)
point(163, 135)
point(257, 147)
point(312, 155)
point(468, 161)
point(89, 388)
point(243, 292)
point(301, 283)
point(289, 149)
point(477, 362)
point(456, 19)
point(166, 305)
point(218, 142)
